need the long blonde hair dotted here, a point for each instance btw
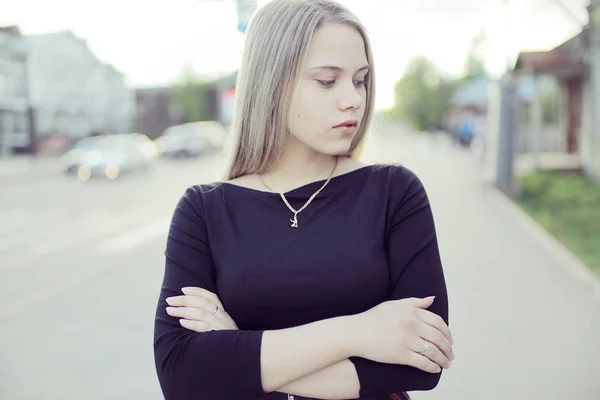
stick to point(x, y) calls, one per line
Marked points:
point(277, 43)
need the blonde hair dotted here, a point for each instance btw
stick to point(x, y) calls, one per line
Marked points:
point(277, 43)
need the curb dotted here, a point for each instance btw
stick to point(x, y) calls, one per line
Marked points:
point(573, 265)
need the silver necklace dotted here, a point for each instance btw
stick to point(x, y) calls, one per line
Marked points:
point(294, 220)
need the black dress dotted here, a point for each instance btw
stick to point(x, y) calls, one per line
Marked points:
point(368, 237)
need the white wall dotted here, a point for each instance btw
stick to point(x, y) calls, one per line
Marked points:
point(73, 92)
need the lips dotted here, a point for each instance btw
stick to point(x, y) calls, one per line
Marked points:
point(348, 123)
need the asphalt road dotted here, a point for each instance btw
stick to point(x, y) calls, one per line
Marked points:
point(81, 267)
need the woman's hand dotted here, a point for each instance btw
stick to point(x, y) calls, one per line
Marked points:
point(394, 332)
point(198, 311)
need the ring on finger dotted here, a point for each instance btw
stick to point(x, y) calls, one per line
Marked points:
point(425, 348)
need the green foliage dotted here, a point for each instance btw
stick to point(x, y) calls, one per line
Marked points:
point(474, 67)
point(192, 97)
point(568, 206)
point(422, 95)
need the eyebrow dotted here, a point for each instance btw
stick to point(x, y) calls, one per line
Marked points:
point(336, 68)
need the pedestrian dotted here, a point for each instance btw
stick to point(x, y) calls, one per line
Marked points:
point(305, 273)
point(466, 132)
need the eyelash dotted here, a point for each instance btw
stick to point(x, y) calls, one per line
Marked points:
point(330, 83)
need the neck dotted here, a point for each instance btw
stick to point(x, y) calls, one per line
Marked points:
point(299, 166)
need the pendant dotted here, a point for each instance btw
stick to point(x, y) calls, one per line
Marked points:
point(294, 221)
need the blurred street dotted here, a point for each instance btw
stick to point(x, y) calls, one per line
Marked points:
point(525, 320)
point(77, 319)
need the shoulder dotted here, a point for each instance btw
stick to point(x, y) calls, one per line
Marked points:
point(195, 197)
point(393, 173)
point(401, 188)
point(396, 177)
point(249, 181)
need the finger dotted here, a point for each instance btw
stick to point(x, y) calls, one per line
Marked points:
point(201, 326)
point(225, 318)
point(437, 338)
point(196, 326)
point(191, 313)
point(419, 302)
point(437, 322)
point(196, 291)
point(423, 363)
point(205, 305)
point(433, 354)
point(191, 301)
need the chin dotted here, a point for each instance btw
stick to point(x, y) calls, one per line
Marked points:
point(339, 150)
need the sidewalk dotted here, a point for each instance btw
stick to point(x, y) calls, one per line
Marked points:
point(525, 320)
point(27, 168)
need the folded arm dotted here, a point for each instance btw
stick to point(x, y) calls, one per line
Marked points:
point(229, 364)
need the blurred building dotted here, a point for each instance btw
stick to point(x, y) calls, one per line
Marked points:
point(156, 109)
point(71, 92)
point(570, 65)
point(222, 96)
point(68, 92)
point(470, 105)
point(14, 105)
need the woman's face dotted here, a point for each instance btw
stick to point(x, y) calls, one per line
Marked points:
point(331, 90)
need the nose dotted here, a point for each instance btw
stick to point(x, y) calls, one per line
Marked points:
point(351, 98)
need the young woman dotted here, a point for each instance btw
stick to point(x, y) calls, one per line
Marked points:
point(306, 273)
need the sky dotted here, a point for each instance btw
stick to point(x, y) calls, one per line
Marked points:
point(154, 41)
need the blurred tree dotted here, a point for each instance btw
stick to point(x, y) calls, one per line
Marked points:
point(191, 97)
point(422, 94)
point(475, 63)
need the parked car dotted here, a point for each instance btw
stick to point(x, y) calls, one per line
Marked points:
point(191, 139)
point(143, 142)
point(108, 156)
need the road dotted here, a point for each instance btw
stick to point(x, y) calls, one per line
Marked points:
point(80, 273)
point(81, 267)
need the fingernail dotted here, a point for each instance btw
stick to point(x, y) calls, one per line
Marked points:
point(439, 369)
point(170, 309)
point(168, 300)
point(185, 323)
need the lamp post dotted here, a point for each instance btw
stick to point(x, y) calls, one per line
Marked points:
point(508, 125)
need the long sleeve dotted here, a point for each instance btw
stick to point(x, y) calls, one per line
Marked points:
point(218, 365)
point(415, 271)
